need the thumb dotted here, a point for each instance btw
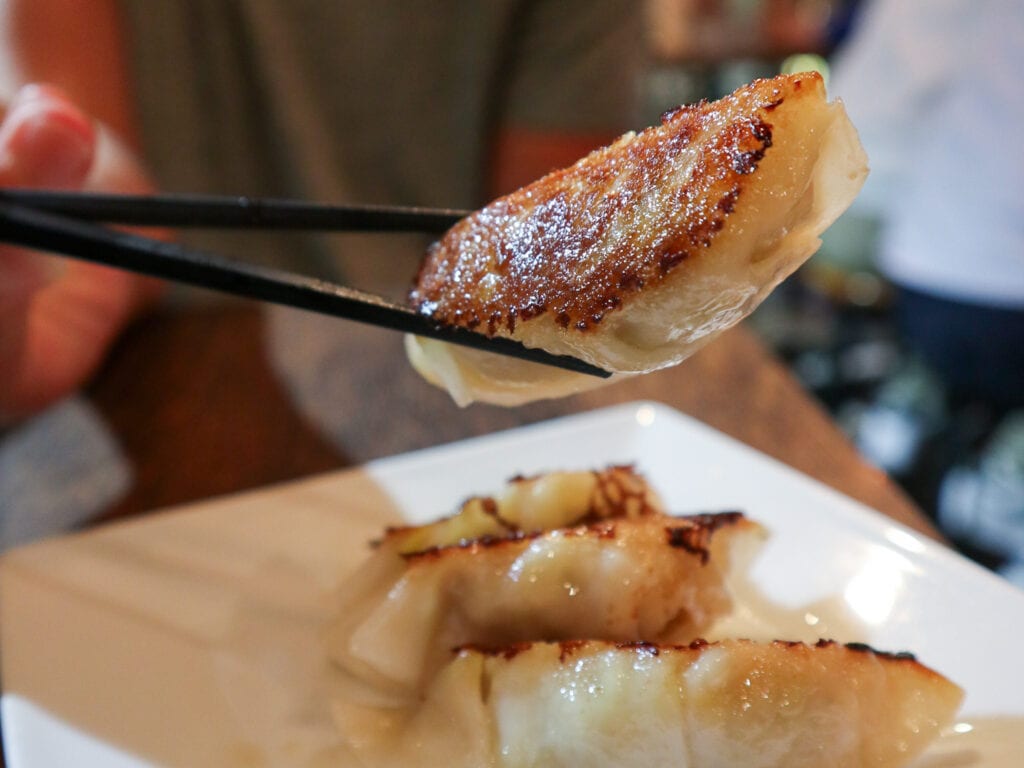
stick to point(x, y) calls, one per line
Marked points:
point(45, 141)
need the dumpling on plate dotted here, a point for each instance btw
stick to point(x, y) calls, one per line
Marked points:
point(560, 556)
point(642, 251)
point(531, 504)
point(730, 704)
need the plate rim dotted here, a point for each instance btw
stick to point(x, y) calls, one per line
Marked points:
point(869, 522)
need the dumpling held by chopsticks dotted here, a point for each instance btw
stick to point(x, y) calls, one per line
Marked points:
point(642, 251)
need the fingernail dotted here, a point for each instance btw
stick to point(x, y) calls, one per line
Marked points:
point(37, 92)
point(45, 140)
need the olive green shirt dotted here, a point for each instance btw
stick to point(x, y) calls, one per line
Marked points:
point(369, 101)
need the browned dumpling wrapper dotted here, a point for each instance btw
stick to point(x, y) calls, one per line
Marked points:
point(730, 704)
point(641, 252)
point(558, 556)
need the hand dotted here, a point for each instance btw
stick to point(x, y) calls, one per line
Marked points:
point(58, 318)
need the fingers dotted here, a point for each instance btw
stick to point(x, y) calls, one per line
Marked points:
point(57, 318)
point(45, 141)
point(68, 328)
point(21, 275)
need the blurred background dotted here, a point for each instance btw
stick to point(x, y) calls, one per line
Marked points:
point(907, 324)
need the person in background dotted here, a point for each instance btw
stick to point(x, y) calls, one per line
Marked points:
point(374, 101)
point(934, 88)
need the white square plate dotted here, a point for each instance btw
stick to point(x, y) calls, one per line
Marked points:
point(191, 637)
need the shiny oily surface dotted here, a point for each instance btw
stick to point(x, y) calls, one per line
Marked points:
point(734, 703)
point(219, 607)
point(644, 250)
point(516, 567)
point(578, 243)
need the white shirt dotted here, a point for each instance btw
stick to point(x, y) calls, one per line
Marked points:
point(936, 89)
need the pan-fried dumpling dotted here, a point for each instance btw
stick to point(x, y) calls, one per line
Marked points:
point(560, 556)
point(731, 704)
point(641, 252)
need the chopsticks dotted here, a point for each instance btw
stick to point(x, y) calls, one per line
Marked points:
point(48, 221)
point(233, 212)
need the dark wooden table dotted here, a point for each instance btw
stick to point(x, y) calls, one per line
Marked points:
point(199, 412)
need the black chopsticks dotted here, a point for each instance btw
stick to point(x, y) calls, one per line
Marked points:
point(233, 212)
point(63, 223)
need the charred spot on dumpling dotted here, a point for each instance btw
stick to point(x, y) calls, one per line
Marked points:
point(693, 532)
point(601, 529)
point(621, 492)
point(795, 643)
point(667, 261)
point(728, 202)
point(489, 541)
point(567, 648)
point(894, 655)
point(641, 646)
point(556, 246)
point(749, 145)
point(506, 652)
point(630, 281)
point(694, 540)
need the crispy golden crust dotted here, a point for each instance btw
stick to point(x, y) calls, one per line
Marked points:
point(618, 492)
point(728, 704)
point(568, 648)
point(691, 533)
point(580, 242)
point(648, 576)
point(740, 702)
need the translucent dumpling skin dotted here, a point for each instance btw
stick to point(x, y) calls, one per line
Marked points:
point(558, 622)
point(732, 704)
point(560, 556)
point(641, 252)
